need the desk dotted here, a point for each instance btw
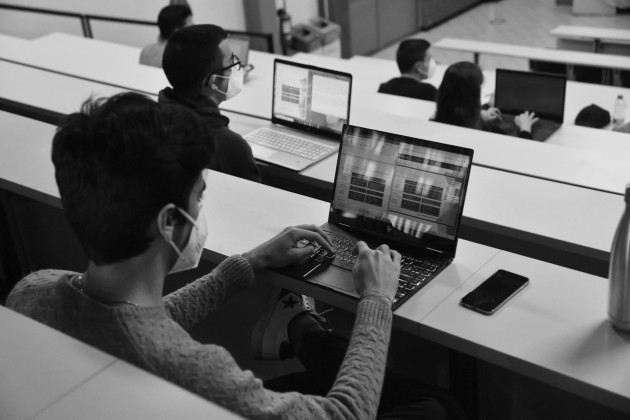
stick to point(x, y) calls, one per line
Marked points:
point(35, 367)
point(588, 38)
point(554, 331)
point(45, 374)
point(534, 53)
point(591, 361)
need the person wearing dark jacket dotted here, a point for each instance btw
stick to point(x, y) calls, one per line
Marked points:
point(458, 103)
point(203, 72)
point(415, 64)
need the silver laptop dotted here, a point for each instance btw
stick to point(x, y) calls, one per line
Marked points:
point(406, 192)
point(541, 93)
point(310, 105)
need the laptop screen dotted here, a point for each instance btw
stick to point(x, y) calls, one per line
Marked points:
point(311, 98)
point(542, 93)
point(402, 189)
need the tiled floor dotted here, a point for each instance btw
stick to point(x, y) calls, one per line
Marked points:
point(519, 22)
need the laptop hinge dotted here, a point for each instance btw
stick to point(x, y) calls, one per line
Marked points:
point(435, 250)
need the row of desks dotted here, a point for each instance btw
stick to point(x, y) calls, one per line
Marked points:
point(573, 163)
point(47, 375)
point(570, 222)
point(591, 359)
point(555, 331)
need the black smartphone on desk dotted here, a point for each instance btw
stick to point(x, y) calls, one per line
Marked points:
point(490, 295)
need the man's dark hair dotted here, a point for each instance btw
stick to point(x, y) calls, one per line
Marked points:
point(118, 162)
point(172, 18)
point(409, 52)
point(458, 99)
point(191, 54)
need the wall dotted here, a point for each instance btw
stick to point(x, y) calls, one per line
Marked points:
point(227, 13)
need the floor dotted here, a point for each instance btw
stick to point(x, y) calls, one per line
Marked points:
point(519, 22)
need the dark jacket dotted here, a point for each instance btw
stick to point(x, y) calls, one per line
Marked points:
point(411, 88)
point(233, 154)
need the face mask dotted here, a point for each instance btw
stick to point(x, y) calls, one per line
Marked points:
point(188, 258)
point(235, 83)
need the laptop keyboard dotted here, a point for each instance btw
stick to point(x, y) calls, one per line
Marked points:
point(288, 143)
point(414, 272)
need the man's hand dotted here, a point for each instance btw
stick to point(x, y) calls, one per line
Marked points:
point(290, 245)
point(525, 121)
point(376, 271)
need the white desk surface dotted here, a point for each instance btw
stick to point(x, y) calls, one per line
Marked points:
point(591, 33)
point(90, 48)
point(124, 391)
point(536, 53)
point(45, 374)
point(555, 330)
point(49, 91)
point(39, 365)
point(89, 59)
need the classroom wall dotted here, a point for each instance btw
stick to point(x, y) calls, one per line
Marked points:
point(228, 13)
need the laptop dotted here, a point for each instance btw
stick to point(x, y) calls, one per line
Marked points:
point(406, 192)
point(541, 93)
point(240, 48)
point(310, 105)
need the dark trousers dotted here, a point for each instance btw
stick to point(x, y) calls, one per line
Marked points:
point(402, 398)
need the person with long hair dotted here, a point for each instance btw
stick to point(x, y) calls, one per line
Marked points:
point(459, 102)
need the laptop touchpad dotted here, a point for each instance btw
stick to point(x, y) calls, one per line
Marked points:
point(336, 279)
point(262, 152)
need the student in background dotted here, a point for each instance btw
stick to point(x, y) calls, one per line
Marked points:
point(459, 102)
point(170, 19)
point(203, 72)
point(148, 222)
point(415, 63)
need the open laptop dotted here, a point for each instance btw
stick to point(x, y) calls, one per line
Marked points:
point(240, 48)
point(541, 93)
point(309, 104)
point(406, 192)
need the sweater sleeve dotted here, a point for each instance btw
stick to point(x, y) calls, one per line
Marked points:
point(194, 302)
point(354, 395)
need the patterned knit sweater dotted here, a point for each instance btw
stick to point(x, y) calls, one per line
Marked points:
point(156, 339)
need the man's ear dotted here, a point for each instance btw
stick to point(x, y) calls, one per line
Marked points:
point(211, 82)
point(166, 220)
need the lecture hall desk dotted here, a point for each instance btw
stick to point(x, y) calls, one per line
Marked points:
point(562, 311)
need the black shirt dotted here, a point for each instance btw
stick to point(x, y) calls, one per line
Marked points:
point(411, 88)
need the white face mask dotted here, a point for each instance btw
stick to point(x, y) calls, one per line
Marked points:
point(235, 83)
point(188, 258)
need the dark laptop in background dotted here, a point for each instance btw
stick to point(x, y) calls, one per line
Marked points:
point(406, 192)
point(541, 93)
point(309, 104)
point(240, 48)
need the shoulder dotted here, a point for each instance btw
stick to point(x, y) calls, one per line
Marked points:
point(37, 283)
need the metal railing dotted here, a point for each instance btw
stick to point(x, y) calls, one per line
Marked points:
point(260, 41)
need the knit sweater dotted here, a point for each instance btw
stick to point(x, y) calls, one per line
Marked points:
point(156, 339)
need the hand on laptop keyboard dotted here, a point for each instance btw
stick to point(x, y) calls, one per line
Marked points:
point(376, 271)
point(283, 248)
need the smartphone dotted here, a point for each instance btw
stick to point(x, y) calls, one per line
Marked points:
point(497, 289)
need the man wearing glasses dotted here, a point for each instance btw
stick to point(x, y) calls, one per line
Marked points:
point(203, 72)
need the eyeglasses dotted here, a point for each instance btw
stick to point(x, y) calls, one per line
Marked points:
point(235, 62)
